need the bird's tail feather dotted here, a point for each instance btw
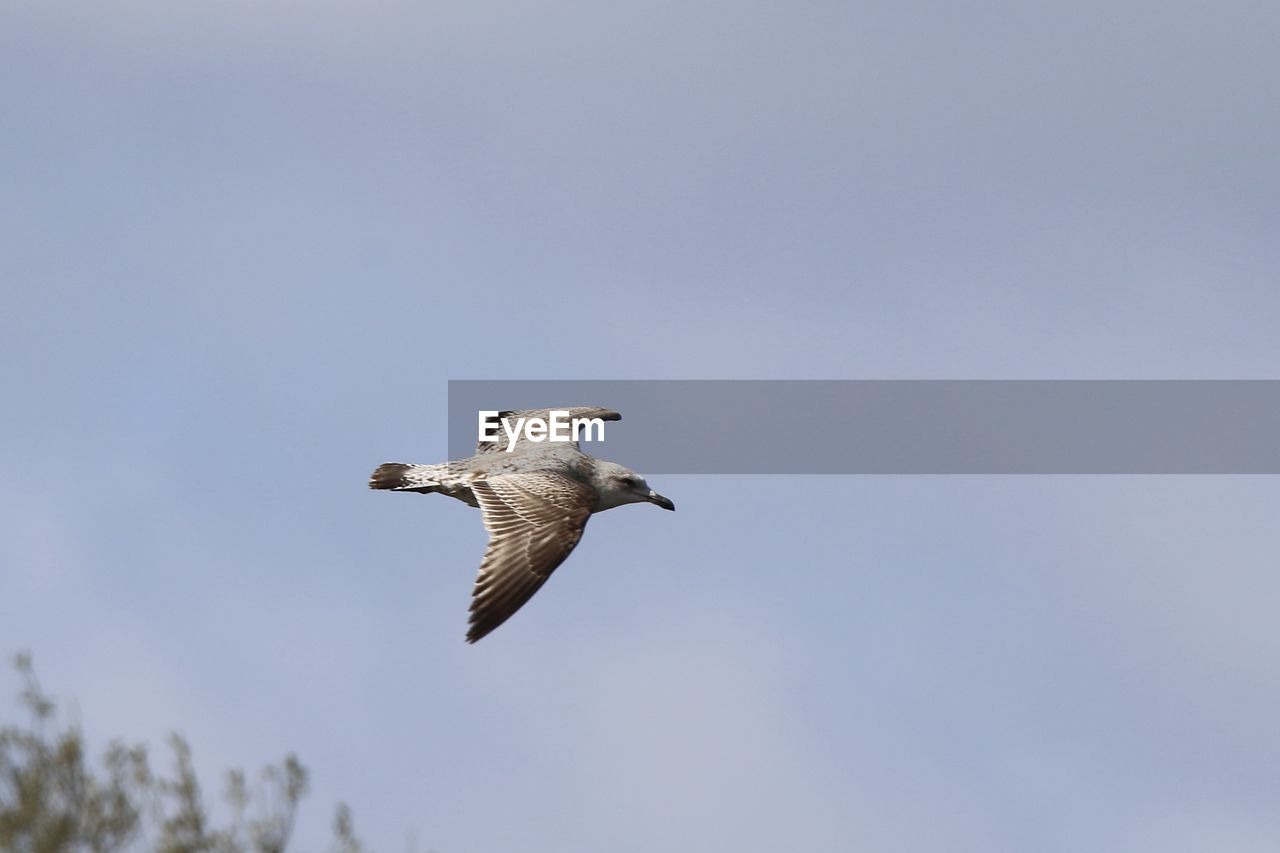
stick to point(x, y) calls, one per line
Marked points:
point(406, 478)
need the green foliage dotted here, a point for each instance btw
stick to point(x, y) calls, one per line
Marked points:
point(53, 801)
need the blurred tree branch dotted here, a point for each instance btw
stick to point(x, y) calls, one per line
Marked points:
point(52, 800)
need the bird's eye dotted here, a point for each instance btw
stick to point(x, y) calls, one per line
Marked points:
point(629, 482)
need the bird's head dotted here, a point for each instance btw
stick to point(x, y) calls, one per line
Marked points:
point(620, 485)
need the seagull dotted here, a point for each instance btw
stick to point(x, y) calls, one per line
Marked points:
point(535, 501)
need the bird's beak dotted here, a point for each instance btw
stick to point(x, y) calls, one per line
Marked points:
point(655, 498)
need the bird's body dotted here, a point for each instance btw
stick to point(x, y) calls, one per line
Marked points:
point(535, 499)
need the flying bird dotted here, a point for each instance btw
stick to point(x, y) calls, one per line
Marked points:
point(535, 501)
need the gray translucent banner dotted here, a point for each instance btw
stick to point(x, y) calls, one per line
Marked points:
point(907, 426)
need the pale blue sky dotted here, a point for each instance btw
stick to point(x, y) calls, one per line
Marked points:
point(244, 246)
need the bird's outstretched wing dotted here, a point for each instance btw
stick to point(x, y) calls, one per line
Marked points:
point(534, 520)
point(521, 443)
